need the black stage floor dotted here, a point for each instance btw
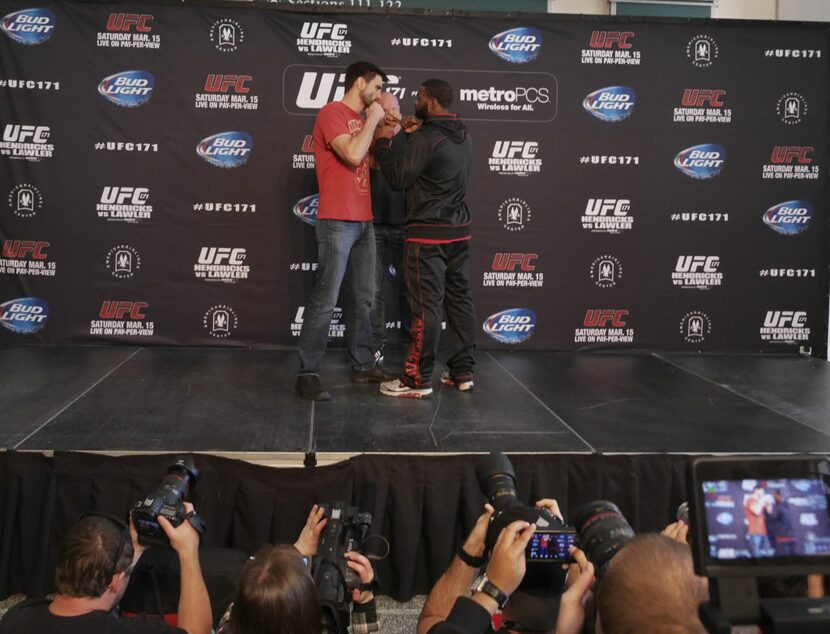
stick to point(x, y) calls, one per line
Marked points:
point(230, 400)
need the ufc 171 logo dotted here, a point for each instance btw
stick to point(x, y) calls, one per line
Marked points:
point(700, 97)
point(224, 83)
point(125, 22)
point(19, 249)
point(607, 207)
point(222, 255)
point(515, 149)
point(785, 319)
point(697, 264)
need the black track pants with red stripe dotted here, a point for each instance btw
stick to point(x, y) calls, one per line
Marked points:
point(438, 275)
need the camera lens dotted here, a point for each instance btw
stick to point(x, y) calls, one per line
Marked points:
point(498, 480)
point(602, 531)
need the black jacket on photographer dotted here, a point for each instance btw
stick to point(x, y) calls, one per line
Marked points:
point(433, 166)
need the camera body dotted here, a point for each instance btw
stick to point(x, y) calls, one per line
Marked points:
point(756, 517)
point(167, 501)
point(345, 530)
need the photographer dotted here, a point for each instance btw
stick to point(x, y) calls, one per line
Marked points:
point(450, 608)
point(277, 594)
point(94, 565)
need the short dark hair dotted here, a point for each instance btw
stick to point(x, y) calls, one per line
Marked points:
point(666, 597)
point(276, 595)
point(94, 549)
point(367, 70)
point(439, 90)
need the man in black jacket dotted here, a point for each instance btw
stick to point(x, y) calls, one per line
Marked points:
point(433, 166)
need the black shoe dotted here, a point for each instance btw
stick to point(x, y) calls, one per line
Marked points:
point(309, 387)
point(374, 374)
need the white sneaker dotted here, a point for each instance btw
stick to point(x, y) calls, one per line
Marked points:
point(402, 390)
point(462, 386)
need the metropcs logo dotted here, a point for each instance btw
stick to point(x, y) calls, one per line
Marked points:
point(226, 149)
point(697, 271)
point(518, 46)
point(519, 98)
point(604, 325)
point(227, 35)
point(336, 328)
point(129, 30)
point(791, 108)
point(791, 162)
point(129, 89)
point(702, 105)
point(306, 209)
point(504, 271)
point(29, 142)
point(511, 326)
point(227, 92)
point(785, 326)
point(324, 39)
point(122, 318)
point(25, 315)
point(222, 264)
point(702, 51)
point(220, 321)
point(606, 271)
point(701, 161)
point(26, 257)
point(125, 204)
point(607, 215)
point(695, 326)
point(25, 200)
point(29, 26)
point(514, 214)
point(789, 218)
point(613, 103)
point(611, 47)
point(515, 157)
point(123, 261)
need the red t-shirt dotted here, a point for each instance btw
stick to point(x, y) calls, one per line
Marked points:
point(344, 190)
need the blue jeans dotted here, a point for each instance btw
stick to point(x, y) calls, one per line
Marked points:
point(345, 256)
point(758, 545)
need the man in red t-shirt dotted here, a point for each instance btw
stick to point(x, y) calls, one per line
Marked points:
point(345, 238)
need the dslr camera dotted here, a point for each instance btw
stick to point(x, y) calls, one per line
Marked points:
point(548, 545)
point(345, 531)
point(168, 501)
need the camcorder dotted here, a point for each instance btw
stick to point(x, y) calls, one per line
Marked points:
point(168, 501)
point(345, 531)
point(550, 542)
point(754, 517)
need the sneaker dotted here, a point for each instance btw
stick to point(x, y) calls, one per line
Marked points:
point(400, 389)
point(463, 385)
point(375, 374)
point(309, 387)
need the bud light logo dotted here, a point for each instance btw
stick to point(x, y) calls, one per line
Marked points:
point(226, 149)
point(29, 26)
point(789, 218)
point(613, 103)
point(701, 161)
point(129, 89)
point(306, 209)
point(511, 326)
point(518, 46)
point(25, 315)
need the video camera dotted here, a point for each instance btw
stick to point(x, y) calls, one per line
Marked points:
point(346, 530)
point(168, 501)
point(754, 517)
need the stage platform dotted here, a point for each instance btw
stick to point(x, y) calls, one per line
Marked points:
point(240, 403)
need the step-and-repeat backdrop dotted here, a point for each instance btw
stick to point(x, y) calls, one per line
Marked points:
point(634, 184)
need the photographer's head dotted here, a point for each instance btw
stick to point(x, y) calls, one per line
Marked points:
point(276, 595)
point(650, 584)
point(95, 557)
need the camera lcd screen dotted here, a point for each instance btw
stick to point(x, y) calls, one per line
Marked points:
point(766, 519)
point(550, 546)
